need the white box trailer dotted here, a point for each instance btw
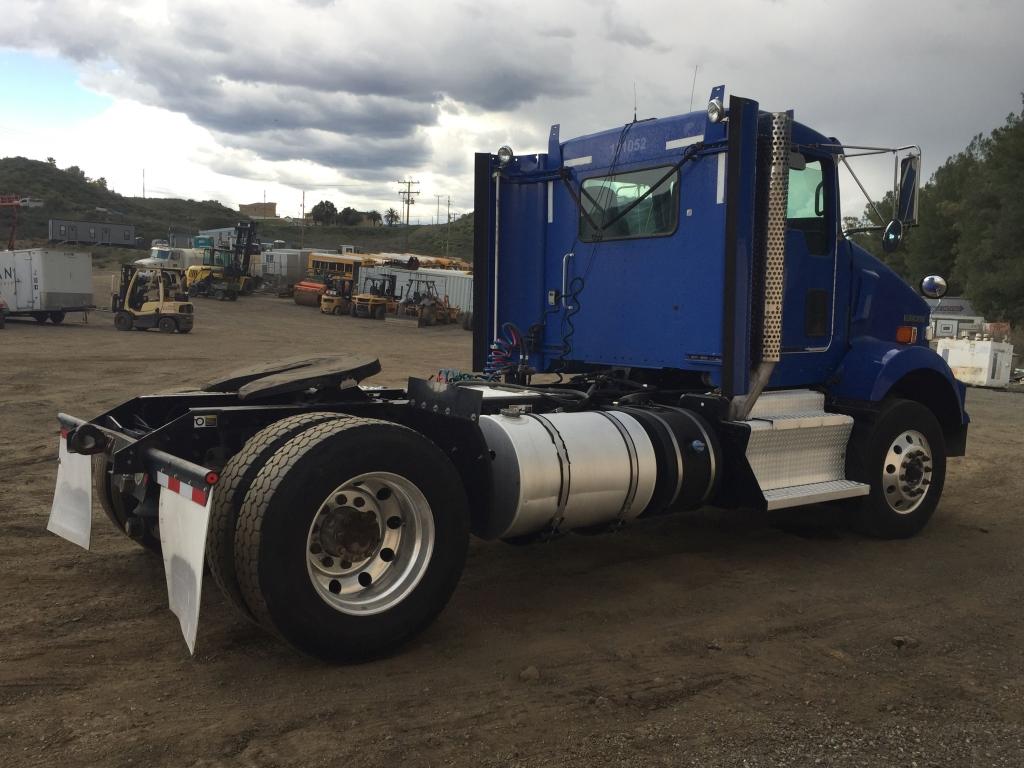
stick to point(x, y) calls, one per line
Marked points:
point(981, 363)
point(41, 283)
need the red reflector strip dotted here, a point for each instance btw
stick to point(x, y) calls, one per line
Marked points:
point(63, 433)
point(197, 495)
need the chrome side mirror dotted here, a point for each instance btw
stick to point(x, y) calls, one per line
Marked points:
point(934, 287)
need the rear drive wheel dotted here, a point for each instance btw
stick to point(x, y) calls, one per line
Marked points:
point(352, 311)
point(123, 321)
point(40, 317)
point(338, 310)
point(235, 479)
point(118, 495)
point(57, 317)
point(352, 538)
point(379, 312)
point(167, 325)
point(901, 454)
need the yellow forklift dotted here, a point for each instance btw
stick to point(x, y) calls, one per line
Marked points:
point(337, 297)
point(151, 297)
point(224, 273)
point(378, 298)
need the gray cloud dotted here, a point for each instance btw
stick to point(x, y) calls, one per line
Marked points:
point(362, 88)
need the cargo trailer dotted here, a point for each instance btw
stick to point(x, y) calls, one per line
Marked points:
point(46, 284)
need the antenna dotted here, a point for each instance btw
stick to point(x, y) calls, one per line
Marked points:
point(634, 101)
point(693, 85)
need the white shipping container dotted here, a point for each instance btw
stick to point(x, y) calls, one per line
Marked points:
point(38, 280)
point(457, 285)
point(981, 363)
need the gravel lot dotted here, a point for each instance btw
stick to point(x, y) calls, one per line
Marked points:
point(712, 639)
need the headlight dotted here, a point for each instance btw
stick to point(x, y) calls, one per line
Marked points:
point(505, 155)
point(716, 111)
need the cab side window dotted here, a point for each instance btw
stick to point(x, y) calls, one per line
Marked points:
point(808, 203)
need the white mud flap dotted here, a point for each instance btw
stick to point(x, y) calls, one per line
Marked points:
point(184, 515)
point(71, 513)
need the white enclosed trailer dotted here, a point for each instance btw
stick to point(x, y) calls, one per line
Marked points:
point(979, 362)
point(46, 284)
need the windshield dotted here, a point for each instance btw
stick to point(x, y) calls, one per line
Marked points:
point(160, 253)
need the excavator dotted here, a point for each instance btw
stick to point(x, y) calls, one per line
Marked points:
point(224, 274)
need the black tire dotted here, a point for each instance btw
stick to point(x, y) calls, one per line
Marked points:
point(352, 311)
point(218, 295)
point(379, 312)
point(167, 325)
point(40, 317)
point(3, 321)
point(282, 503)
point(57, 317)
point(338, 310)
point(123, 321)
point(229, 493)
point(866, 462)
point(120, 508)
point(184, 330)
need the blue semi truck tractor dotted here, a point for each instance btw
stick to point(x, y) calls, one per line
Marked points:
point(668, 315)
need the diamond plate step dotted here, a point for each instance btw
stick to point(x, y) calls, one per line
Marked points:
point(798, 450)
point(814, 493)
point(790, 402)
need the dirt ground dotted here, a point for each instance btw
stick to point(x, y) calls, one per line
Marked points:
point(712, 639)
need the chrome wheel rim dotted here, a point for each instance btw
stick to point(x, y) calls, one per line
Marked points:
point(907, 472)
point(370, 543)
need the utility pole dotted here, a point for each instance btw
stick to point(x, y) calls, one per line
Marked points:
point(437, 219)
point(448, 232)
point(143, 183)
point(407, 197)
point(302, 228)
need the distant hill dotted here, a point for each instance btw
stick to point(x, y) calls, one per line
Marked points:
point(67, 193)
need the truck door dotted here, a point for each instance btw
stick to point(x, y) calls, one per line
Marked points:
point(810, 274)
point(26, 282)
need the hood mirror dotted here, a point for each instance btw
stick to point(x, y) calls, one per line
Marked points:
point(934, 287)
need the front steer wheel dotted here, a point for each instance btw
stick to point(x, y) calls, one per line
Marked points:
point(901, 454)
point(351, 538)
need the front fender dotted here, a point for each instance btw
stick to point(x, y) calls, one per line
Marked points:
point(871, 369)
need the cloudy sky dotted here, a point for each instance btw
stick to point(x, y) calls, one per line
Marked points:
point(233, 100)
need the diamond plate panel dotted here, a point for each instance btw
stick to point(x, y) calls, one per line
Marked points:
point(787, 403)
point(815, 493)
point(781, 458)
point(775, 236)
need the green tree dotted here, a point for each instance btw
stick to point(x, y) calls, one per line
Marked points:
point(392, 217)
point(51, 161)
point(375, 218)
point(350, 217)
point(990, 218)
point(324, 212)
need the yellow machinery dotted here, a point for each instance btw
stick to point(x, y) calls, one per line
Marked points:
point(377, 298)
point(337, 297)
point(224, 274)
point(152, 298)
point(424, 304)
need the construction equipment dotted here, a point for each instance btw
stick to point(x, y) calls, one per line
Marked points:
point(423, 304)
point(337, 298)
point(14, 202)
point(378, 298)
point(719, 342)
point(152, 297)
point(225, 273)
